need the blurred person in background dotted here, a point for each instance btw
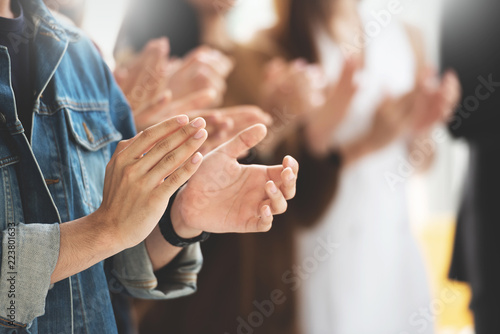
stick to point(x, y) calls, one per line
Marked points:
point(374, 281)
point(306, 114)
point(470, 34)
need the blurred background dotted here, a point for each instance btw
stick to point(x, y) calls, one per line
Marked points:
point(434, 197)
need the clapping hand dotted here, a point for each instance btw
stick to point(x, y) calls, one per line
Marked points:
point(434, 100)
point(224, 196)
point(158, 88)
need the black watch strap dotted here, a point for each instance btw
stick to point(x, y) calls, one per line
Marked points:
point(167, 230)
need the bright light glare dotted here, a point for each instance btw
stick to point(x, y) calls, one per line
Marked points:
point(102, 22)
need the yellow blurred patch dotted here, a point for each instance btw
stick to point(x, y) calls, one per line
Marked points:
point(436, 241)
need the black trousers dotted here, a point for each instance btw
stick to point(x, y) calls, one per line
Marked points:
point(476, 256)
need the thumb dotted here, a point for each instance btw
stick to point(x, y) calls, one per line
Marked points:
point(244, 141)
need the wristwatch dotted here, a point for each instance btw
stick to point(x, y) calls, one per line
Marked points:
point(168, 232)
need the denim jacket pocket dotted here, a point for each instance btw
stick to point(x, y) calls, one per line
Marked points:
point(92, 129)
point(93, 132)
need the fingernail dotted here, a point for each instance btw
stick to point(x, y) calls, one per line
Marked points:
point(196, 158)
point(197, 123)
point(290, 174)
point(274, 190)
point(199, 134)
point(267, 211)
point(291, 161)
point(182, 119)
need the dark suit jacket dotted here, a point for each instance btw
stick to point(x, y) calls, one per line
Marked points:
point(470, 45)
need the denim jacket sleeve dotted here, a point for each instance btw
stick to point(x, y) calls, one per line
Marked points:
point(132, 269)
point(29, 254)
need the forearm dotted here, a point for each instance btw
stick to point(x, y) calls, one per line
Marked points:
point(159, 250)
point(84, 242)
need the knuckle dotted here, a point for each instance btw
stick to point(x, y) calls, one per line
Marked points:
point(164, 145)
point(170, 158)
point(120, 160)
point(121, 145)
point(147, 134)
point(185, 131)
point(175, 178)
point(188, 169)
point(129, 171)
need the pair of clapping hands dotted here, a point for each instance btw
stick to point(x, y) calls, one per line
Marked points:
point(221, 195)
point(158, 87)
point(301, 89)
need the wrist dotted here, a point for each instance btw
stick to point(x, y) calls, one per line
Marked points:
point(106, 233)
point(179, 225)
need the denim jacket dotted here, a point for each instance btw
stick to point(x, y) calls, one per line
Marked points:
point(56, 176)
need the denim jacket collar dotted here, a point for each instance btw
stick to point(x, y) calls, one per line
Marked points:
point(50, 42)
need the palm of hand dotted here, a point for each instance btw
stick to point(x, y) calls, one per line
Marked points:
point(226, 194)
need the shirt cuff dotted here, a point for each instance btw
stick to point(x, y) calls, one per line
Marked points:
point(29, 254)
point(132, 271)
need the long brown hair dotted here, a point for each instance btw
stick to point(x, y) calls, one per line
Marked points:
point(297, 20)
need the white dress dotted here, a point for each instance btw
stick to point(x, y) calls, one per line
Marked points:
point(374, 282)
